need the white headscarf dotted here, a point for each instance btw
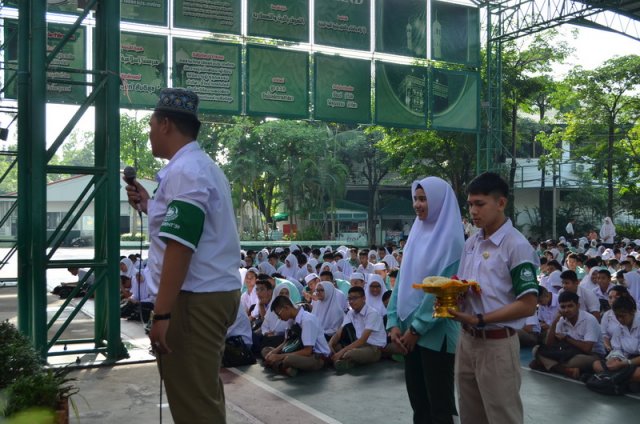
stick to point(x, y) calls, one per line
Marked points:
point(267, 268)
point(329, 311)
point(332, 267)
point(391, 262)
point(375, 302)
point(291, 270)
point(434, 244)
point(294, 293)
point(608, 231)
point(345, 267)
point(130, 272)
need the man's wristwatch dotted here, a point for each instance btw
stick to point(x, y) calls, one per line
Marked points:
point(481, 323)
point(160, 317)
point(413, 331)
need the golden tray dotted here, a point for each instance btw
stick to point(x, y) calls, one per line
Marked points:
point(447, 295)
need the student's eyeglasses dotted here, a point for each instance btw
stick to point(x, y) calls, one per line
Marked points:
point(353, 298)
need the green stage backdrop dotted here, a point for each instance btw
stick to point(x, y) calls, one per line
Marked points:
point(143, 67)
point(153, 12)
point(278, 82)
point(342, 89)
point(343, 24)
point(455, 96)
point(210, 69)
point(208, 15)
point(455, 33)
point(286, 19)
point(401, 27)
point(401, 95)
point(73, 55)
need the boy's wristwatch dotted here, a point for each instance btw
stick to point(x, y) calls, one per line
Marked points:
point(481, 323)
point(160, 317)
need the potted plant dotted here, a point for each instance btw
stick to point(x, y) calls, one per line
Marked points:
point(30, 392)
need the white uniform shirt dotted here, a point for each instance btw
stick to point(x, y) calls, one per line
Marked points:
point(549, 313)
point(632, 281)
point(609, 324)
point(193, 189)
point(534, 323)
point(491, 263)
point(628, 341)
point(602, 295)
point(588, 300)
point(312, 332)
point(587, 282)
point(273, 324)
point(368, 270)
point(587, 329)
point(241, 327)
point(368, 319)
point(247, 299)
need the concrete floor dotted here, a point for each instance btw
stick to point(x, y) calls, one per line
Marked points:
point(129, 392)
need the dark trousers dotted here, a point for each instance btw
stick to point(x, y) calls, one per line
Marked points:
point(429, 378)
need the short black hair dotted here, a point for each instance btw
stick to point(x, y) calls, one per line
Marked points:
point(605, 272)
point(185, 124)
point(555, 264)
point(567, 296)
point(264, 282)
point(394, 273)
point(624, 304)
point(329, 273)
point(357, 289)
point(542, 290)
point(569, 275)
point(280, 302)
point(591, 262)
point(488, 183)
point(387, 295)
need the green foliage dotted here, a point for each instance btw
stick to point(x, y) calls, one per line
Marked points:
point(17, 356)
point(9, 169)
point(631, 231)
point(135, 148)
point(133, 237)
point(309, 233)
point(44, 389)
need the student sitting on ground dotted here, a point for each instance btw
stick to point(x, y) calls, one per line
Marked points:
point(579, 335)
point(304, 348)
point(237, 345)
point(141, 299)
point(370, 334)
point(588, 299)
point(602, 278)
point(625, 341)
point(328, 308)
point(547, 311)
point(609, 324)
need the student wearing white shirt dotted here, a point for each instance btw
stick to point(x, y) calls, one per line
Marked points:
point(370, 334)
point(249, 298)
point(504, 264)
point(314, 348)
point(588, 300)
point(576, 328)
point(626, 340)
point(609, 324)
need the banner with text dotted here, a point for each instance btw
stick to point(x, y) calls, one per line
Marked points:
point(210, 69)
point(343, 24)
point(143, 69)
point(151, 12)
point(72, 56)
point(456, 100)
point(401, 27)
point(455, 33)
point(208, 15)
point(401, 95)
point(342, 89)
point(278, 82)
point(284, 19)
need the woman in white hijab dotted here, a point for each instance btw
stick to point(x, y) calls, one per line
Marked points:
point(267, 268)
point(328, 308)
point(391, 262)
point(434, 248)
point(290, 268)
point(374, 290)
point(607, 232)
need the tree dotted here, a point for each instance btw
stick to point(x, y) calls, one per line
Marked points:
point(135, 148)
point(522, 68)
point(607, 106)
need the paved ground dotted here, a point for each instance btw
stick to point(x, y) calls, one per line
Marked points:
point(129, 392)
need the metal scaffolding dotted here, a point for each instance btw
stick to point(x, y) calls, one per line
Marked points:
point(36, 248)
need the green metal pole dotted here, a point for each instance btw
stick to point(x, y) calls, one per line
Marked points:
point(24, 151)
point(108, 157)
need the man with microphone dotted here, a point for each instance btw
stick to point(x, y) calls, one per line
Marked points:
point(194, 255)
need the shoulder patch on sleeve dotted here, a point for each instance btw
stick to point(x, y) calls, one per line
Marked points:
point(184, 223)
point(523, 278)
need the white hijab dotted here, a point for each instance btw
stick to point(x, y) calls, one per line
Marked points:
point(391, 262)
point(345, 267)
point(608, 231)
point(434, 244)
point(330, 310)
point(375, 302)
point(291, 270)
point(267, 268)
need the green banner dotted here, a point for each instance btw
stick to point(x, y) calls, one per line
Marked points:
point(143, 69)
point(342, 23)
point(401, 95)
point(152, 12)
point(63, 6)
point(455, 33)
point(278, 82)
point(72, 56)
point(456, 100)
point(342, 89)
point(208, 15)
point(401, 27)
point(212, 70)
point(286, 19)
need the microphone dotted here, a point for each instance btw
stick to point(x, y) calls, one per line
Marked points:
point(129, 173)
